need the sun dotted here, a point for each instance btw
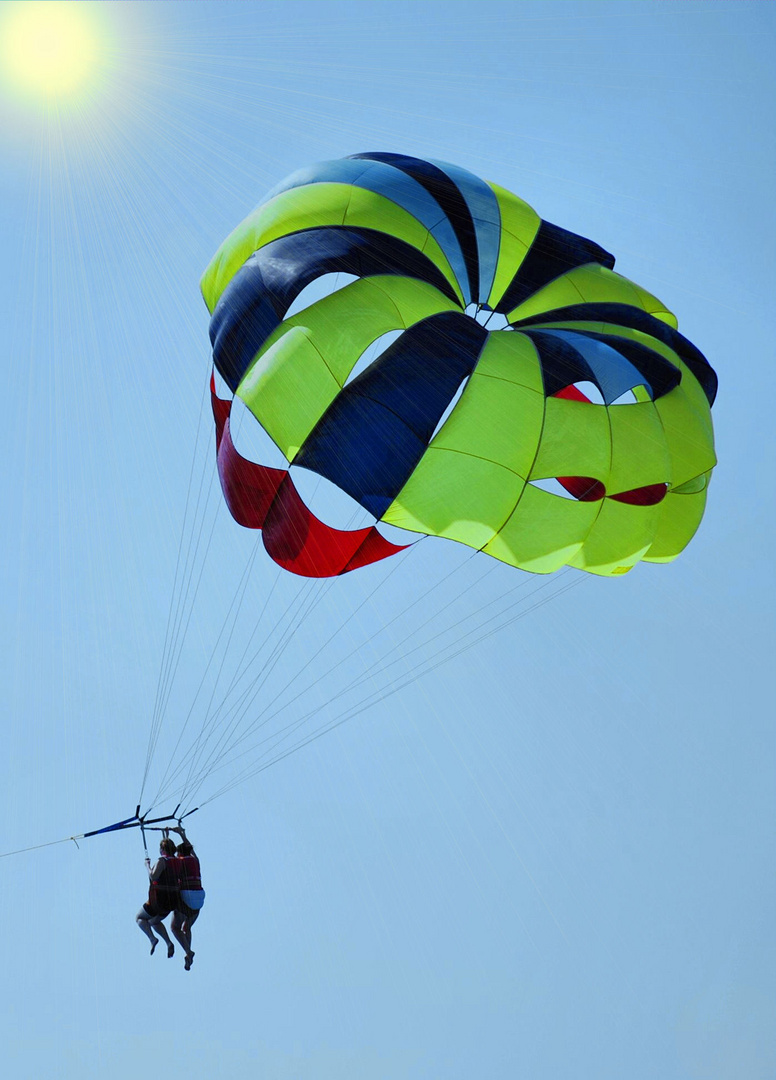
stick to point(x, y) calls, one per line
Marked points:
point(49, 48)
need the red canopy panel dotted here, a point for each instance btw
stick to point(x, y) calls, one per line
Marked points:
point(259, 497)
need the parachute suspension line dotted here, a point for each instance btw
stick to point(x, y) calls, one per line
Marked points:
point(215, 746)
point(167, 669)
point(188, 602)
point(187, 596)
point(170, 774)
point(302, 591)
point(380, 662)
point(186, 599)
point(284, 733)
point(222, 755)
point(310, 594)
point(402, 679)
point(392, 686)
point(263, 719)
point(226, 743)
point(309, 600)
point(235, 605)
point(424, 668)
point(167, 634)
point(210, 719)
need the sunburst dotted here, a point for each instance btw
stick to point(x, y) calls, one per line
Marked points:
point(51, 50)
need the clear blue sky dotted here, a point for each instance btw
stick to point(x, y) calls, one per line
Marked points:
point(551, 858)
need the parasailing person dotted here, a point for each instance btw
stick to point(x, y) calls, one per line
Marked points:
point(163, 894)
point(191, 895)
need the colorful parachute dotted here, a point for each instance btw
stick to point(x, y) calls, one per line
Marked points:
point(580, 431)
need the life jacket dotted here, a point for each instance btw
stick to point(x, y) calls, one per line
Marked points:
point(189, 872)
point(163, 893)
point(169, 879)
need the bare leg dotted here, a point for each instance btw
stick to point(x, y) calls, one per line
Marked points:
point(143, 920)
point(176, 926)
point(181, 928)
point(161, 930)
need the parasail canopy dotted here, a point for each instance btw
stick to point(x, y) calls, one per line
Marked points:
point(534, 405)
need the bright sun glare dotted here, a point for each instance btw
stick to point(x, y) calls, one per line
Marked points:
point(49, 47)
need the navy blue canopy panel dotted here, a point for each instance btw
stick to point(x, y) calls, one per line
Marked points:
point(553, 252)
point(372, 436)
point(635, 319)
point(614, 365)
point(261, 292)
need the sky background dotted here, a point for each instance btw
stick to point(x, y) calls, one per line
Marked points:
point(553, 856)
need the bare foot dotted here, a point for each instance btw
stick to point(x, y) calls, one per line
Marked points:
point(188, 961)
point(170, 950)
point(154, 943)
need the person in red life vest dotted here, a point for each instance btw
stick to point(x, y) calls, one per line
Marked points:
point(163, 895)
point(191, 897)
